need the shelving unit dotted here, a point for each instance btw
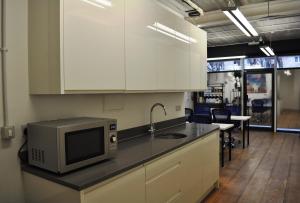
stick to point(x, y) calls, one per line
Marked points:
point(214, 94)
point(213, 97)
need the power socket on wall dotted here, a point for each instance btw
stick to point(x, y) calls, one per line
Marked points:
point(178, 107)
point(8, 132)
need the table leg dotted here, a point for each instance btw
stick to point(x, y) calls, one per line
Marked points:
point(248, 126)
point(222, 148)
point(229, 145)
point(243, 126)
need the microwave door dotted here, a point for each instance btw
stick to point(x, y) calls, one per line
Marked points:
point(83, 147)
point(84, 144)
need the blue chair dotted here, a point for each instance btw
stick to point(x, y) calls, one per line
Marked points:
point(202, 118)
point(221, 115)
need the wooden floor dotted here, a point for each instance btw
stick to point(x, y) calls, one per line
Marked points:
point(267, 171)
point(289, 119)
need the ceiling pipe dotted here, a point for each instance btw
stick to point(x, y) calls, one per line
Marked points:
point(194, 6)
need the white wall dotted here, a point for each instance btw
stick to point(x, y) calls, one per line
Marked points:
point(188, 102)
point(289, 90)
point(130, 110)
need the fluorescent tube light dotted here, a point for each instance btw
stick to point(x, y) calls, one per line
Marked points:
point(265, 51)
point(270, 51)
point(226, 58)
point(241, 22)
point(245, 22)
point(230, 16)
point(171, 33)
point(99, 3)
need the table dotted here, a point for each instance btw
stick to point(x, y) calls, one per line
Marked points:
point(244, 119)
point(224, 127)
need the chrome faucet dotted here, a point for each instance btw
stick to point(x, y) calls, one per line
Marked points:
point(152, 128)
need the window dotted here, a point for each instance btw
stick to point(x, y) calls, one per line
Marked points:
point(260, 63)
point(289, 62)
point(219, 66)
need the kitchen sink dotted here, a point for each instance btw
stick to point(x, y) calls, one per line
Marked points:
point(171, 136)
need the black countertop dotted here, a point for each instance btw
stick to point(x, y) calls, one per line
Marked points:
point(131, 153)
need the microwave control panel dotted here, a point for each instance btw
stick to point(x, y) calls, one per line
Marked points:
point(113, 138)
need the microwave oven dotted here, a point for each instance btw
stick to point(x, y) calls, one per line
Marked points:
point(64, 145)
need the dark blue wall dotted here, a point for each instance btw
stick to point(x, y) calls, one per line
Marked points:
point(287, 47)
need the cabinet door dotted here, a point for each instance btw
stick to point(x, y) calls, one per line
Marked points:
point(182, 68)
point(200, 167)
point(93, 45)
point(193, 173)
point(163, 179)
point(141, 45)
point(198, 59)
point(128, 188)
point(173, 53)
point(210, 160)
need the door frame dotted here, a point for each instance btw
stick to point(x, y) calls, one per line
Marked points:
point(279, 129)
point(260, 71)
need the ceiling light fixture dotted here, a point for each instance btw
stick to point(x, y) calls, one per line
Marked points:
point(171, 33)
point(99, 3)
point(288, 72)
point(270, 51)
point(241, 22)
point(226, 58)
point(267, 50)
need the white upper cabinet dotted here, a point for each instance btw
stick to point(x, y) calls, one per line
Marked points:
point(89, 46)
point(93, 45)
point(141, 45)
point(198, 59)
point(173, 70)
point(80, 46)
point(156, 58)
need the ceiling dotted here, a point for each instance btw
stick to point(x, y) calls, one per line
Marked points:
point(282, 23)
point(212, 5)
point(272, 29)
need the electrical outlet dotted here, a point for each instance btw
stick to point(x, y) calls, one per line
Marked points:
point(8, 132)
point(178, 108)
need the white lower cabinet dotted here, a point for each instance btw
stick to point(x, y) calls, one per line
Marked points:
point(185, 175)
point(127, 188)
point(210, 159)
point(163, 182)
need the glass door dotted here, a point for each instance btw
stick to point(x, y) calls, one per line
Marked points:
point(259, 97)
point(288, 94)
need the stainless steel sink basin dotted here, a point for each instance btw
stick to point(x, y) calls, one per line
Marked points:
point(171, 136)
